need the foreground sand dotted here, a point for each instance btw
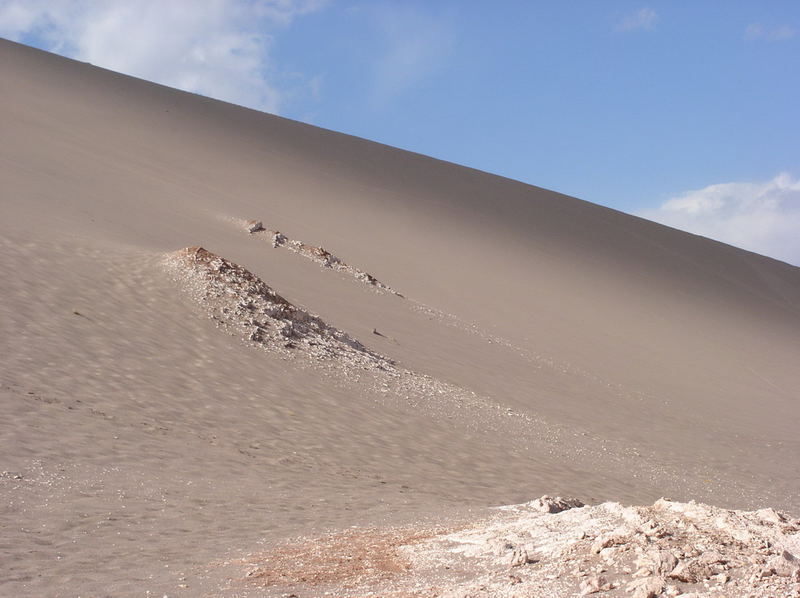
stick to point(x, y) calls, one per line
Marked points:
point(520, 343)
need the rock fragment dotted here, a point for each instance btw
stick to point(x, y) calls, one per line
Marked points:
point(278, 239)
point(646, 587)
point(784, 565)
point(692, 571)
point(612, 538)
point(594, 584)
point(317, 254)
point(520, 557)
point(657, 562)
point(549, 504)
point(254, 226)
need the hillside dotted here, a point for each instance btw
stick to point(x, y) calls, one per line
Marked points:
point(163, 414)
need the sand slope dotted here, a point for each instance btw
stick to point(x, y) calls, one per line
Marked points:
point(550, 345)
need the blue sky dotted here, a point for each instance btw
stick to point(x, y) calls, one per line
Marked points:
point(683, 112)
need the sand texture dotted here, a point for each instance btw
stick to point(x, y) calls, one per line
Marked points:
point(183, 389)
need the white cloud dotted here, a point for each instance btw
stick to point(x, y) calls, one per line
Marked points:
point(644, 18)
point(756, 31)
point(218, 48)
point(761, 217)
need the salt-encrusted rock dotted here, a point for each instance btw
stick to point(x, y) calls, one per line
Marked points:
point(771, 516)
point(613, 538)
point(692, 571)
point(657, 562)
point(712, 557)
point(696, 545)
point(548, 504)
point(520, 557)
point(647, 587)
point(254, 226)
point(593, 584)
point(784, 565)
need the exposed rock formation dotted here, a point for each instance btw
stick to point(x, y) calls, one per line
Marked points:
point(245, 305)
point(317, 254)
point(669, 549)
point(254, 226)
point(548, 504)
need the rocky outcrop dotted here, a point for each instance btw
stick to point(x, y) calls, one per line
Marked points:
point(315, 253)
point(548, 504)
point(669, 549)
point(254, 226)
point(245, 305)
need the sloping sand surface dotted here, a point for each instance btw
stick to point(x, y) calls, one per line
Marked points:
point(535, 343)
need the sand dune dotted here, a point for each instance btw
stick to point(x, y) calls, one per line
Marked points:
point(541, 345)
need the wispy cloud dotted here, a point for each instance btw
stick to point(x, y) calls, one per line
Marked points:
point(644, 18)
point(755, 31)
point(413, 45)
point(218, 48)
point(762, 217)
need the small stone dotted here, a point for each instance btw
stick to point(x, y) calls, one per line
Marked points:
point(613, 538)
point(520, 557)
point(712, 557)
point(657, 562)
point(608, 553)
point(254, 226)
point(720, 578)
point(691, 572)
point(647, 587)
point(764, 573)
point(592, 585)
point(548, 504)
point(771, 516)
point(784, 565)
point(278, 239)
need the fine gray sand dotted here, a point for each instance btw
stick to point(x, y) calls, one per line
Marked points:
point(463, 341)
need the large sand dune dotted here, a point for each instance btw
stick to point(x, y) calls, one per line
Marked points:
point(534, 343)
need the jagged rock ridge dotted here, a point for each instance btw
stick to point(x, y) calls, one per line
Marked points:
point(241, 302)
point(317, 254)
